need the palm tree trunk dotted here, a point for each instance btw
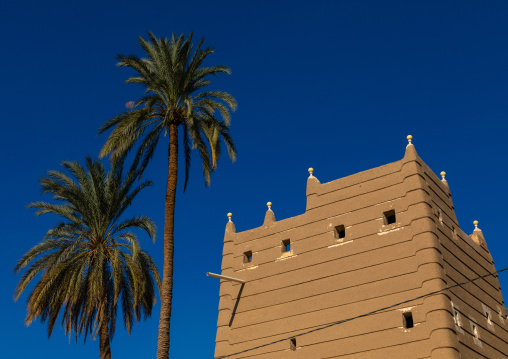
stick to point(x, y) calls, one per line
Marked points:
point(104, 342)
point(169, 224)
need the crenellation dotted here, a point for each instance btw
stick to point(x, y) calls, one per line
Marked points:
point(269, 216)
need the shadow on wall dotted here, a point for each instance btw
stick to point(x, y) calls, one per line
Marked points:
point(236, 304)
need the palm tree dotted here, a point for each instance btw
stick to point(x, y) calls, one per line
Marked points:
point(90, 262)
point(174, 79)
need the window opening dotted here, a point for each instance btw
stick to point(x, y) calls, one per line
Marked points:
point(454, 233)
point(389, 217)
point(286, 246)
point(292, 344)
point(475, 331)
point(408, 320)
point(340, 232)
point(247, 257)
point(439, 215)
point(456, 318)
point(489, 319)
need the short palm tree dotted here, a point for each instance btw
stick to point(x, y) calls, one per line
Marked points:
point(90, 262)
point(174, 78)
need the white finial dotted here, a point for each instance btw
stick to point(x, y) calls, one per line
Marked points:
point(311, 171)
point(229, 216)
point(443, 174)
point(475, 224)
point(269, 204)
point(409, 139)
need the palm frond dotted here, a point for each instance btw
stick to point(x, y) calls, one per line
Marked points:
point(89, 261)
point(173, 76)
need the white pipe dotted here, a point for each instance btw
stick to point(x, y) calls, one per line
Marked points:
point(224, 277)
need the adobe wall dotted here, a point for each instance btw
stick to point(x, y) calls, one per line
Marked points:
point(480, 303)
point(324, 279)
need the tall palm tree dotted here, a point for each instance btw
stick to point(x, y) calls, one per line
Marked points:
point(90, 262)
point(174, 78)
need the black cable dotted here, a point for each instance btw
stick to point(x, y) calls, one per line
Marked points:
point(367, 314)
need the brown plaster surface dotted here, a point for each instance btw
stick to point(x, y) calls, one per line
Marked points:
point(323, 279)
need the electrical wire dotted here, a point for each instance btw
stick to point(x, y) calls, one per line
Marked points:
point(366, 314)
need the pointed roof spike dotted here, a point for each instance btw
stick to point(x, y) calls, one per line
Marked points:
point(230, 226)
point(312, 183)
point(477, 235)
point(410, 148)
point(312, 178)
point(269, 216)
point(443, 175)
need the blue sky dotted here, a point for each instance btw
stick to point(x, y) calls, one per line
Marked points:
point(332, 85)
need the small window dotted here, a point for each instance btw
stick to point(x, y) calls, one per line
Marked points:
point(292, 344)
point(440, 215)
point(488, 317)
point(475, 331)
point(340, 232)
point(247, 257)
point(286, 246)
point(407, 318)
point(454, 233)
point(456, 318)
point(389, 217)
